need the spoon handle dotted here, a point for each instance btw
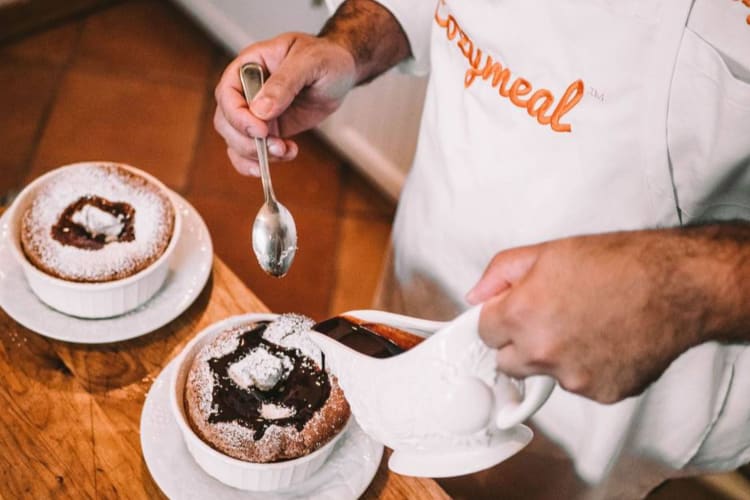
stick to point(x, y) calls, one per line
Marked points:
point(265, 172)
point(252, 78)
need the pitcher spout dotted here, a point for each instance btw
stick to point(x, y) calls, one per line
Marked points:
point(355, 372)
point(365, 383)
point(336, 355)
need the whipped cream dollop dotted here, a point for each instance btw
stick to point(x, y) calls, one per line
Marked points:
point(270, 411)
point(263, 369)
point(97, 221)
point(260, 369)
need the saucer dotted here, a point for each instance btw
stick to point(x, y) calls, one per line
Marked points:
point(189, 270)
point(346, 474)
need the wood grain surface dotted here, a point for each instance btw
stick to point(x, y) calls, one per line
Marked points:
point(69, 427)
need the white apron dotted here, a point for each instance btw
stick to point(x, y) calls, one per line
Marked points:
point(553, 118)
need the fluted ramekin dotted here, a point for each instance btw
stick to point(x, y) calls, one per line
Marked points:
point(231, 471)
point(90, 300)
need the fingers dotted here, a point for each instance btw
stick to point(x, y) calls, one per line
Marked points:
point(510, 361)
point(506, 269)
point(290, 72)
point(504, 325)
point(239, 126)
point(278, 149)
point(244, 155)
point(232, 104)
point(242, 144)
point(243, 165)
point(322, 70)
point(513, 361)
point(283, 149)
point(248, 165)
point(230, 97)
point(281, 88)
point(494, 330)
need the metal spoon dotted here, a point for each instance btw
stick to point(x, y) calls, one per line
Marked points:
point(274, 231)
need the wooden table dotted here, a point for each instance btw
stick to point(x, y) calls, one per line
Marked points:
point(69, 426)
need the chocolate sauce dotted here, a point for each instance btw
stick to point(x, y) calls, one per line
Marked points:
point(371, 339)
point(305, 389)
point(71, 233)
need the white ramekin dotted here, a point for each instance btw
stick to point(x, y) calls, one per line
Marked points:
point(228, 470)
point(90, 300)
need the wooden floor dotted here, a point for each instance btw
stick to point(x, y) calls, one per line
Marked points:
point(133, 83)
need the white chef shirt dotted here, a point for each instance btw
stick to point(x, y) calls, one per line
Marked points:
point(590, 116)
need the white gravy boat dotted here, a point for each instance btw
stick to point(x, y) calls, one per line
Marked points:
point(441, 405)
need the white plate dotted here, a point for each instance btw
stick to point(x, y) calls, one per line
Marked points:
point(189, 270)
point(346, 474)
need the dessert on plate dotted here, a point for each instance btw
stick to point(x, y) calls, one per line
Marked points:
point(96, 222)
point(260, 392)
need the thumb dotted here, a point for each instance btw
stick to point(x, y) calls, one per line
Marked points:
point(504, 270)
point(281, 88)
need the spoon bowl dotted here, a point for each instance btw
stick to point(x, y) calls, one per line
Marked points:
point(274, 239)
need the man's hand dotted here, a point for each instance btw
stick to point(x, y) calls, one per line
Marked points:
point(308, 79)
point(606, 315)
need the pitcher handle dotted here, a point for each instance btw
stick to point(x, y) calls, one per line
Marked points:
point(465, 330)
point(537, 389)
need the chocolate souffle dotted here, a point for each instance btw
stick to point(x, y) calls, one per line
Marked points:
point(260, 392)
point(95, 223)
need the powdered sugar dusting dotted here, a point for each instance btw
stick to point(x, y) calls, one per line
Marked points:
point(153, 221)
point(290, 331)
point(278, 442)
point(271, 411)
point(234, 437)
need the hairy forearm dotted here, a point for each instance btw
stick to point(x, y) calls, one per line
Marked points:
point(372, 35)
point(714, 260)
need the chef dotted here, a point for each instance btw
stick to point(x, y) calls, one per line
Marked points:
point(557, 138)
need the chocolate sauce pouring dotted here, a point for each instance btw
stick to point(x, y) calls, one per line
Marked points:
point(307, 386)
point(372, 339)
point(430, 404)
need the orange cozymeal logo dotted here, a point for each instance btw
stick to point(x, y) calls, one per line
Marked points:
point(540, 104)
point(747, 4)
